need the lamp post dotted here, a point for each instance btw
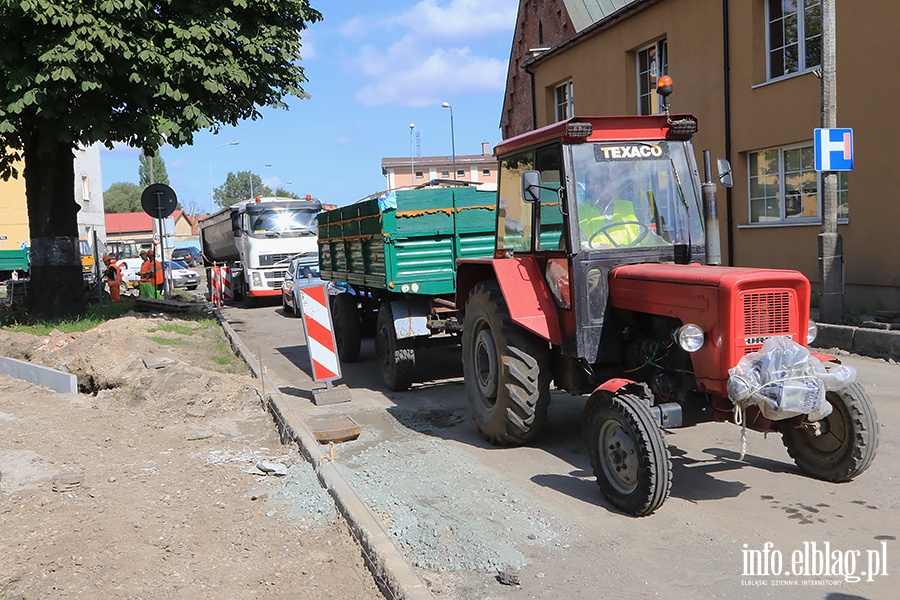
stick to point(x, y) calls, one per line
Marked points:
point(452, 137)
point(211, 199)
point(412, 160)
point(251, 178)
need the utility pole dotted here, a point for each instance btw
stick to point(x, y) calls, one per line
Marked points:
point(831, 268)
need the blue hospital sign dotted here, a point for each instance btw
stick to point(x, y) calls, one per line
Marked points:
point(834, 149)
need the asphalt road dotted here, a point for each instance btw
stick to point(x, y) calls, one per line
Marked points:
point(538, 509)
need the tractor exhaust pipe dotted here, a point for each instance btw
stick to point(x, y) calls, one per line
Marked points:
point(713, 243)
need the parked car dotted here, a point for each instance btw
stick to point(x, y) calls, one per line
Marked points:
point(189, 255)
point(182, 276)
point(300, 274)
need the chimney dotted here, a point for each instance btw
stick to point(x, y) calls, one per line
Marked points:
point(484, 148)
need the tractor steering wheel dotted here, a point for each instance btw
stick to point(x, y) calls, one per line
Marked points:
point(645, 231)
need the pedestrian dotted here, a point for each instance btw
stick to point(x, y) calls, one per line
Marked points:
point(151, 276)
point(114, 277)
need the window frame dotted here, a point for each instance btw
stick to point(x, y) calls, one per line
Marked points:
point(648, 78)
point(802, 41)
point(783, 219)
point(564, 107)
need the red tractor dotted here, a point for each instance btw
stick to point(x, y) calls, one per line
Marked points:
point(604, 281)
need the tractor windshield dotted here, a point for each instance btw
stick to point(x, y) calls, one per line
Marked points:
point(635, 195)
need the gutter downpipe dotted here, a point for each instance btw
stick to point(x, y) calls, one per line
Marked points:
point(527, 67)
point(729, 210)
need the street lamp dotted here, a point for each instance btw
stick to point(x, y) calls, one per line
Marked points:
point(285, 183)
point(452, 137)
point(211, 200)
point(412, 160)
point(251, 179)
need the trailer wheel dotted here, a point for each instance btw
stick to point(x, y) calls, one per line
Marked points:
point(345, 320)
point(506, 370)
point(397, 357)
point(848, 440)
point(629, 454)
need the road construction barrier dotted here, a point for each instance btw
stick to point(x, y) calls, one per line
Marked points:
point(220, 285)
point(319, 333)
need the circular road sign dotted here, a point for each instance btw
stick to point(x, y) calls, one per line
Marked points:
point(158, 200)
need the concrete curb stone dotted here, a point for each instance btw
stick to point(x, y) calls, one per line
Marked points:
point(874, 343)
point(393, 573)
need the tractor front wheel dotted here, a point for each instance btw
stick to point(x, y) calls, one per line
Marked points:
point(506, 370)
point(846, 440)
point(629, 454)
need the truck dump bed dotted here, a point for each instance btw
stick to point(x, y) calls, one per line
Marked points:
point(411, 248)
point(217, 242)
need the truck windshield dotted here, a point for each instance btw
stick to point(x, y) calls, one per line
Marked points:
point(277, 221)
point(635, 194)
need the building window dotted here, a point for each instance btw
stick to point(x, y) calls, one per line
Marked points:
point(460, 173)
point(486, 172)
point(419, 175)
point(85, 188)
point(445, 173)
point(652, 63)
point(794, 36)
point(784, 187)
point(563, 97)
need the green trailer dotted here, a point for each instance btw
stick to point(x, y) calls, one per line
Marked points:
point(394, 255)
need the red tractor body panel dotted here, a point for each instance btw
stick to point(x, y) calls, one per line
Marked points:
point(738, 308)
point(529, 301)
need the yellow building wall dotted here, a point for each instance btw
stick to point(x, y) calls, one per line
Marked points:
point(763, 115)
point(13, 214)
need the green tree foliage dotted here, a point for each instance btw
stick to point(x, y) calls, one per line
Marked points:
point(237, 187)
point(158, 170)
point(142, 72)
point(283, 193)
point(122, 197)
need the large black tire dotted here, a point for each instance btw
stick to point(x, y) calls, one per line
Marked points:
point(396, 357)
point(629, 454)
point(506, 370)
point(848, 442)
point(249, 301)
point(347, 330)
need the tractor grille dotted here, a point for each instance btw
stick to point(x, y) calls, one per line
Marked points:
point(765, 314)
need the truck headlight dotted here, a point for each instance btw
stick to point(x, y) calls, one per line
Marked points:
point(690, 337)
point(812, 330)
point(257, 280)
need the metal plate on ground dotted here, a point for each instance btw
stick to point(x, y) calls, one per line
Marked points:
point(339, 429)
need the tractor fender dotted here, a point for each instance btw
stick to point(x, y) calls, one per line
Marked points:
point(530, 304)
point(608, 388)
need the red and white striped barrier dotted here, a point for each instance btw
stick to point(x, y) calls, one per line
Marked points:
point(220, 285)
point(319, 333)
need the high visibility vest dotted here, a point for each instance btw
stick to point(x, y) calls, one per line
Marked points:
point(591, 220)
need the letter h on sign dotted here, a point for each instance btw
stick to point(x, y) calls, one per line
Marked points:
point(834, 149)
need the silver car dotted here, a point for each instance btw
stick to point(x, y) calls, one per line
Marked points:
point(182, 276)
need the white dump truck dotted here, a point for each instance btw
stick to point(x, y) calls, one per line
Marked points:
point(257, 239)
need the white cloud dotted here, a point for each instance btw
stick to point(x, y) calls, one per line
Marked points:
point(427, 51)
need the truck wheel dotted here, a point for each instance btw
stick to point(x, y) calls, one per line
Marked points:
point(847, 442)
point(345, 320)
point(506, 370)
point(249, 301)
point(397, 357)
point(629, 454)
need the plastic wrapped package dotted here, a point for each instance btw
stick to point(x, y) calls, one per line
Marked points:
point(784, 380)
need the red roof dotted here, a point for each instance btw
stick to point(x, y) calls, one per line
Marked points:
point(133, 222)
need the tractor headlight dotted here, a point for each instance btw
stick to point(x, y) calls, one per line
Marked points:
point(690, 337)
point(812, 330)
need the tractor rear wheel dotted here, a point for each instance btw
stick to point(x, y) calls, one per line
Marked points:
point(345, 320)
point(629, 454)
point(506, 370)
point(396, 356)
point(847, 442)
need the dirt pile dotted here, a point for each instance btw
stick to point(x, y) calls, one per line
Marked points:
point(147, 484)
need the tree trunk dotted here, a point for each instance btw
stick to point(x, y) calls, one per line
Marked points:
point(56, 289)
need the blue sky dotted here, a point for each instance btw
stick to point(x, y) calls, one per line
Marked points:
point(373, 68)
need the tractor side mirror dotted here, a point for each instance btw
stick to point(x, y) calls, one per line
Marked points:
point(531, 186)
point(724, 172)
